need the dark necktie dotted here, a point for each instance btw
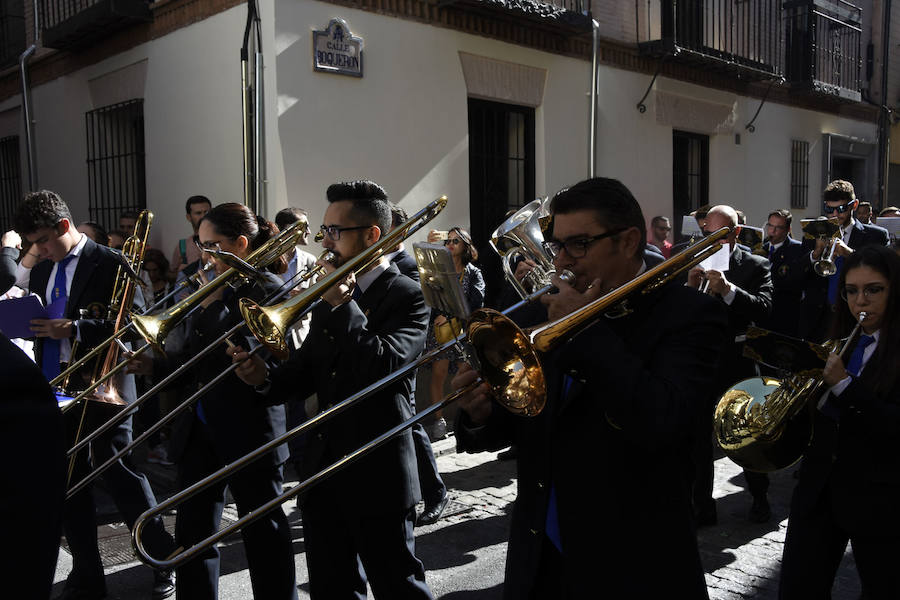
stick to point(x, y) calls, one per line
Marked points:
point(833, 280)
point(551, 526)
point(50, 348)
point(771, 252)
point(831, 408)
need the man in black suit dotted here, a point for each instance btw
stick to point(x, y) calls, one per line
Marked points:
point(81, 274)
point(622, 395)
point(434, 492)
point(839, 200)
point(366, 327)
point(790, 269)
point(746, 291)
point(31, 437)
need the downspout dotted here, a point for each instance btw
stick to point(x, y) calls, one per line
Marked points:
point(26, 106)
point(884, 121)
point(592, 149)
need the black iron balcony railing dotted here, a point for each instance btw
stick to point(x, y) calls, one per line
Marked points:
point(552, 14)
point(822, 41)
point(741, 36)
point(75, 23)
point(12, 32)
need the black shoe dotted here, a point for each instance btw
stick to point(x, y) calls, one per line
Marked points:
point(760, 512)
point(432, 513)
point(79, 593)
point(163, 584)
point(510, 453)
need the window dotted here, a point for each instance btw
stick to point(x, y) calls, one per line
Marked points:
point(115, 160)
point(799, 174)
point(690, 174)
point(10, 180)
point(501, 176)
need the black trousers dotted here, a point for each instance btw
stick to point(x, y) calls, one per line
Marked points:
point(267, 541)
point(343, 550)
point(433, 488)
point(815, 545)
point(129, 489)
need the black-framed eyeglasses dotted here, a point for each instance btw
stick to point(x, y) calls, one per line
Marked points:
point(334, 231)
point(870, 291)
point(840, 209)
point(450, 241)
point(578, 247)
point(207, 246)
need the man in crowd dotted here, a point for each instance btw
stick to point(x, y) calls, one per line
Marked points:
point(623, 394)
point(659, 231)
point(127, 221)
point(745, 290)
point(77, 274)
point(379, 320)
point(864, 213)
point(186, 250)
point(790, 270)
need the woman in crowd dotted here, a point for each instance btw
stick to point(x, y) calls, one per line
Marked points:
point(464, 254)
point(849, 486)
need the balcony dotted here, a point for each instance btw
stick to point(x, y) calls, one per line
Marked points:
point(741, 37)
point(560, 16)
point(12, 32)
point(822, 41)
point(73, 24)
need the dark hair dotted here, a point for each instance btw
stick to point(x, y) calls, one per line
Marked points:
point(195, 200)
point(700, 213)
point(888, 209)
point(613, 203)
point(129, 214)
point(398, 215)
point(38, 210)
point(100, 235)
point(886, 361)
point(156, 256)
point(659, 219)
point(741, 217)
point(861, 204)
point(839, 191)
point(288, 216)
point(234, 220)
point(370, 202)
point(784, 214)
point(470, 252)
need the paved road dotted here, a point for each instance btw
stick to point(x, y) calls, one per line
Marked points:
point(465, 551)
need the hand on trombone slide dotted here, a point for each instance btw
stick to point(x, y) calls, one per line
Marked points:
point(252, 370)
point(476, 404)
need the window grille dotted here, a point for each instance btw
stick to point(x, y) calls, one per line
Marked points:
point(799, 174)
point(115, 161)
point(10, 180)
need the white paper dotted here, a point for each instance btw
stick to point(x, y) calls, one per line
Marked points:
point(892, 224)
point(718, 261)
point(689, 226)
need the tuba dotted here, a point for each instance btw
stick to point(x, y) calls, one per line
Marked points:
point(522, 236)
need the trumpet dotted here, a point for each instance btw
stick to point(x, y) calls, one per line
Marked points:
point(760, 422)
point(508, 357)
point(825, 266)
point(309, 298)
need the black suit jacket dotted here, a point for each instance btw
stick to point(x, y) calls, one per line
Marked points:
point(618, 443)
point(406, 264)
point(857, 459)
point(91, 290)
point(790, 268)
point(347, 349)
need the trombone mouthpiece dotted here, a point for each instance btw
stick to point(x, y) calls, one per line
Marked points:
point(567, 276)
point(329, 257)
point(862, 316)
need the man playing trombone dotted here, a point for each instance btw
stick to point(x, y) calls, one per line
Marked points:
point(366, 327)
point(603, 476)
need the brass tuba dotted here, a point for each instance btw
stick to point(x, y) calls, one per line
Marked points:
point(522, 236)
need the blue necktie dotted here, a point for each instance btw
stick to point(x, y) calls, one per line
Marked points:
point(833, 281)
point(50, 348)
point(831, 408)
point(357, 292)
point(771, 252)
point(551, 526)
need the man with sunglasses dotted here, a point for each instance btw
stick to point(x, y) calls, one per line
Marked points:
point(602, 469)
point(358, 524)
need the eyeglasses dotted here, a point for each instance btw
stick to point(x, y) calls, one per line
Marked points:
point(450, 241)
point(334, 231)
point(870, 291)
point(577, 248)
point(207, 246)
point(840, 209)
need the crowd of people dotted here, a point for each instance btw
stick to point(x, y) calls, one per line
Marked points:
point(635, 389)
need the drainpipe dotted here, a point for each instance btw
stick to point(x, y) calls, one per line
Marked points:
point(592, 149)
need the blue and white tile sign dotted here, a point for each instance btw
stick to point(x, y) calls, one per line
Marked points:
point(337, 50)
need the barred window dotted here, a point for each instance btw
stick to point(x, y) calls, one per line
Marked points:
point(115, 161)
point(799, 174)
point(10, 180)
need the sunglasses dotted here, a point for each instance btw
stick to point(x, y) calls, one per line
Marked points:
point(839, 209)
point(453, 241)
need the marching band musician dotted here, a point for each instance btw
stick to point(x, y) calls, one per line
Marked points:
point(790, 271)
point(746, 291)
point(849, 484)
point(622, 395)
point(226, 424)
point(75, 271)
point(365, 328)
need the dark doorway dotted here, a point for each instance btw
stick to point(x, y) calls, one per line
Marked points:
point(501, 177)
point(690, 175)
point(849, 169)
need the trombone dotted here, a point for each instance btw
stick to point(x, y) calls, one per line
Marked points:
point(508, 361)
point(308, 298)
